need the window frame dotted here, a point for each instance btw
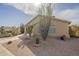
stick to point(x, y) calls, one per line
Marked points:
point(52, 28)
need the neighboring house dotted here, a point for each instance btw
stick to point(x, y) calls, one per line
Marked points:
point(58, 27)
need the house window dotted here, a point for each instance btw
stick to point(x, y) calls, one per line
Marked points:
point(52, 29)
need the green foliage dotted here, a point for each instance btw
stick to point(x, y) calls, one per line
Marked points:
point(44, 28)
point(73, 30)
point(45, 19)
point(12, 31)
point(29, 29)
point(15, 31)
point(3, 33)
point(22, 28)
point(2, 30)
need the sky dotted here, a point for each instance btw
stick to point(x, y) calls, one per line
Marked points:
point(15, 14)
point(67, 11)
point(10, 16)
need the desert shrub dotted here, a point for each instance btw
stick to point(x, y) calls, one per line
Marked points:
point(15, 31)
point(9, 42)
point(29, 29)
point(10, 34)
point(63, 37)
point(37, 41)
point(2, 31)
point(22, 28)
point(72, 31)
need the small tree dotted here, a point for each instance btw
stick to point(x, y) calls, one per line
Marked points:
point(45, 12)
point(29, 29)
point(22, 28)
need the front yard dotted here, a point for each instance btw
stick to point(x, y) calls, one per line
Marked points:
point(50, 47)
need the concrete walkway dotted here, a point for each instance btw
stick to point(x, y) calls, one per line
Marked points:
point(4, 51)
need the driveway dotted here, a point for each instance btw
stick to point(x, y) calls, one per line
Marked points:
point(3, 50)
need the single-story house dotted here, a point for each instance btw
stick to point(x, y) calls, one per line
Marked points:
point(58, 27)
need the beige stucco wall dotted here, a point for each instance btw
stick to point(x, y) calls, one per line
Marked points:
point(61, 28)
point(35, 23)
